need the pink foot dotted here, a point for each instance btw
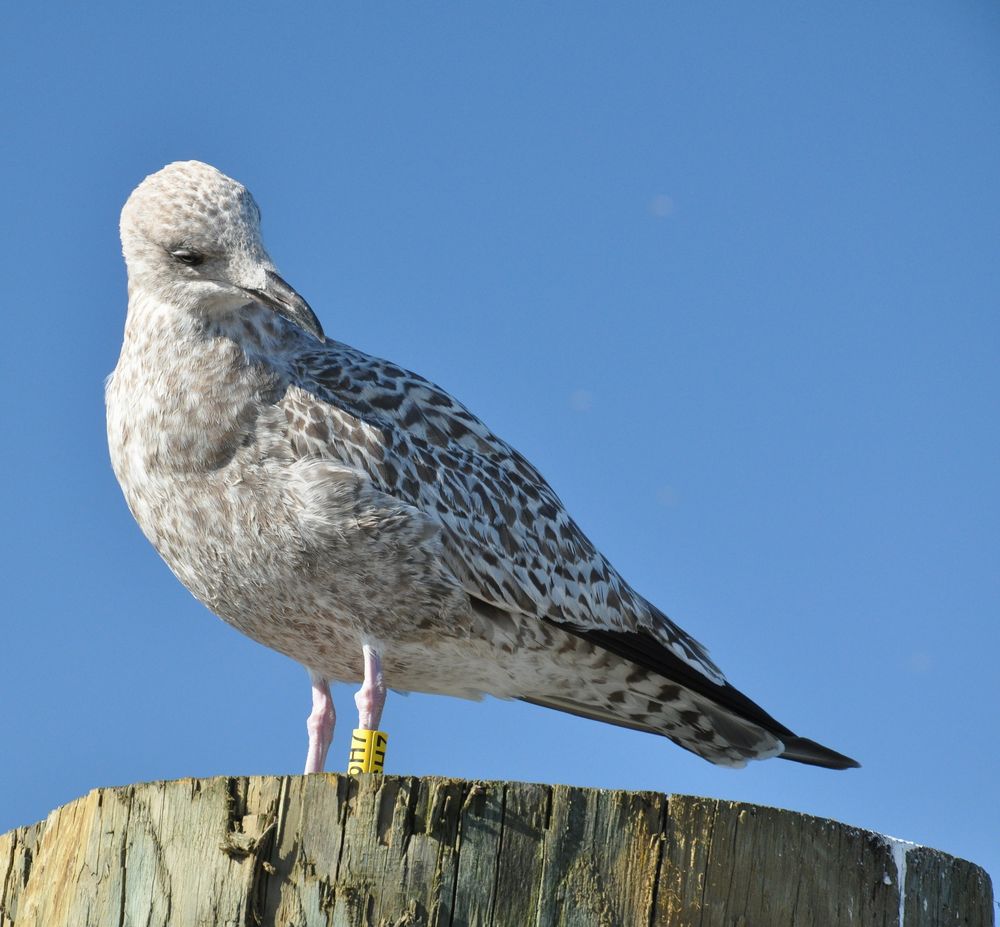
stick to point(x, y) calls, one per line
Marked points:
point(370, 698)
point(319, 724)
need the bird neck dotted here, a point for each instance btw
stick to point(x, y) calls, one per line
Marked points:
point(185, 391)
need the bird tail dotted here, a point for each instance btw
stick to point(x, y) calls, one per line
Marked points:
point(744, 739)
point(652, 689)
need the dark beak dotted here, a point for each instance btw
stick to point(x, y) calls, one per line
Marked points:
point(280, 297)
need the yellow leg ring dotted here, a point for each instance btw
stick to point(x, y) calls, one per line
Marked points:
point(367, 751)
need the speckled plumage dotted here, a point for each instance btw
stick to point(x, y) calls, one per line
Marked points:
point(320, 499)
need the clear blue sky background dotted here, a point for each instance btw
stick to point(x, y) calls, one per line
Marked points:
point(727, 273)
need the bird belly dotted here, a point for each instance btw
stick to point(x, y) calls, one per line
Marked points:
point(311, 564)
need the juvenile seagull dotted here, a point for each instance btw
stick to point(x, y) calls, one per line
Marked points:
point(354, 516)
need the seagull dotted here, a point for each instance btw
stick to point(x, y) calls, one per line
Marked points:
point(359, 519)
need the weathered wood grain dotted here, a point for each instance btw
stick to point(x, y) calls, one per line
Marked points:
point(325, 850)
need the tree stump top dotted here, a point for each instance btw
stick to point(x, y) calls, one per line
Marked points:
point(402, 852)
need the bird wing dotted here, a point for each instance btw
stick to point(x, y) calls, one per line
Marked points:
point(507, 536)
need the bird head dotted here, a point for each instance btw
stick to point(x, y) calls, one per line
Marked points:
point(192, 235)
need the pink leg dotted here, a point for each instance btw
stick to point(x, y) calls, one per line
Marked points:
point(319, 724)
point(370, 698)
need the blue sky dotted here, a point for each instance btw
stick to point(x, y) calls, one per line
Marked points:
point(727, 274)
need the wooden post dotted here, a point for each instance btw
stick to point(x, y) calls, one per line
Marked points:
point(394, 851)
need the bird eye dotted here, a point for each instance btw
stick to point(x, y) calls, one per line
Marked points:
point(186, 256)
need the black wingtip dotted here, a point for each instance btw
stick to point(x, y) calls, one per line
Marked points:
point(803, 750)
